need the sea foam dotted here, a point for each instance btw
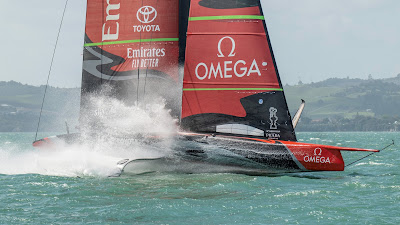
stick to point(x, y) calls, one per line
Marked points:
point(111, 139)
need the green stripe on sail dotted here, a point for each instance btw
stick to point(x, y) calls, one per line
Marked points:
point(131, 41)
point(253, 17)
point(232, 89)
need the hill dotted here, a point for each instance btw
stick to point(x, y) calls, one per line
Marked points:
point(331, 105)
point(347, 97)
point(20, 107)
point(335, 103)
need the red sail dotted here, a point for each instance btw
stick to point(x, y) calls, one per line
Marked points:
point(230, 77)
point(129, 44)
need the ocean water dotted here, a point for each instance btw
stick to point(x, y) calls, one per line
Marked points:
point(71, 186)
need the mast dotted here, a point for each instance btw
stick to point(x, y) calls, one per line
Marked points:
point(184, 7)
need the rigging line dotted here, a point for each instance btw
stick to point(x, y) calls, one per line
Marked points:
point(113, 72)
point(147, 68)
point(370, 154)
point(51, 65)
point(138, 73)
point(101, 49)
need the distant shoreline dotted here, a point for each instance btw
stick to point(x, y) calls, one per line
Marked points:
point(332, 105)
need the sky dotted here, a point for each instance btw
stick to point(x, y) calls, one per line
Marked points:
point(312, 39)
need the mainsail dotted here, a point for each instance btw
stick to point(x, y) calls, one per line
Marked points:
point(231, 83)
point(132, 47)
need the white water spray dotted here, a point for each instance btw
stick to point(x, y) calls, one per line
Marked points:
point(110, 134)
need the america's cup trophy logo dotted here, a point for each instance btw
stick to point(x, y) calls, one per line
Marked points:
point(273, 118)
point(146, 14)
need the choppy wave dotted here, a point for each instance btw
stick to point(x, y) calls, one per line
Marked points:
point(374, 164)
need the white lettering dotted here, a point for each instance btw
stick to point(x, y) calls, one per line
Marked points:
point(197, 71)
point(109, 36)
point(317, 159)
point(149, 63)
point(229, 69)
point(149, 56)
point(273, 135)
point(112, 7)
point(255, 70)
point(106, 33)
point(327, 160)
point(215, 71)
point(145, 52)
point(226, 69)
point(135, 63)
point(244, 69)
point(146, 28)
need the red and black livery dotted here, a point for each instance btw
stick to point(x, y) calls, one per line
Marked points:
point(233, 110)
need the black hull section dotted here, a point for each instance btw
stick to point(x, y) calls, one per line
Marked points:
point(237, 152)
point(204, 154)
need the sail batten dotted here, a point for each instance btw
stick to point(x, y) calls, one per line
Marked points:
point(131, 41)
point(227, 17)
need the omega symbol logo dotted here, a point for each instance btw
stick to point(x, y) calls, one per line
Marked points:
point(317, 151)
point(273, 118)
point(232, 53)
point(146, 14)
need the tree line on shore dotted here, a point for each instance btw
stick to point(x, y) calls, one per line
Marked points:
point(358, 123)
point(335, 104)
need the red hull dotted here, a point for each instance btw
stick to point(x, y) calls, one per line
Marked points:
point(309, 157)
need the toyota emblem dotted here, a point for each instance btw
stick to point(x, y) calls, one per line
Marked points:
point(146, 14)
